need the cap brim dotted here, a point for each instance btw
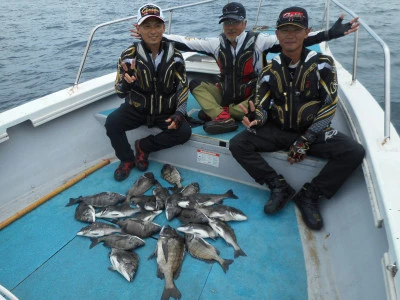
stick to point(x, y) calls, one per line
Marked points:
point(146, 17)
point(226, 17)
point(290, 23)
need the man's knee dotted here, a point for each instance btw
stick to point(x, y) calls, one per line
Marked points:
point(194, 84)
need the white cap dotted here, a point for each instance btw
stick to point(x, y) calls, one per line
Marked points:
point(148, 11)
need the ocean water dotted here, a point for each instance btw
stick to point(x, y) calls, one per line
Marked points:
point(42, 42)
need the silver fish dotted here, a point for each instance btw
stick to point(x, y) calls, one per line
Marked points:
point(171, 175)
point(202, 230)
point(124, 262)
point(227, 233)
point(192, 216)
point(85, 213)
point(148, 215)
point(205, 199)
point(117, 211)
point(161, 195)
point(102, 199)
point(118, 241)
point(170, 252)
point(223, 212)
point(171, 207)
point(138, 227)
point(98, 229)
point(141, 185)
point(199, 248)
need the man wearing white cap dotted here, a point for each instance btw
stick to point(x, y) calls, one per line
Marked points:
point(151, 76)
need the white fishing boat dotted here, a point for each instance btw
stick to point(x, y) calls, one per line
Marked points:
point(55, 148)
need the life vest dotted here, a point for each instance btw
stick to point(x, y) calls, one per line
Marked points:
point(295, 101)
point(238, 77)
point(155, 91)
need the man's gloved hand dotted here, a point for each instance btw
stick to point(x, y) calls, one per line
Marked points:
point(338, 29)
point(300, 146)
point(175, 120)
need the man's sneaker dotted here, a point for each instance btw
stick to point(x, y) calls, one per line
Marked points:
point(142, 158)
point(307, 200)
point(203, 116)
point(221, 124)
point(281, 193)
point(123, 170)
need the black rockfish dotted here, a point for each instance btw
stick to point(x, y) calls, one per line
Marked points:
point(205, 199)
point(141, 185)
point(223, 212)
point(226, 232)
point(102, 199)
point(138, 227)
point(171, 175)
point(85, 213)
point(170, 252)
point(199, 248)
point(124, 262)
point(118, 241)
point(98, 229)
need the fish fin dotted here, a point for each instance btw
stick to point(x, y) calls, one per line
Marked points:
point(172, 292)
point(73, 201)
point(225, 265)
point(153, 255)
point(230, 194)
point(239, 252)
point(112, 268)
point(94, 241)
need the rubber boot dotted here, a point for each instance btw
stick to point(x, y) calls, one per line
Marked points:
point(281, 193)
point(307, 200)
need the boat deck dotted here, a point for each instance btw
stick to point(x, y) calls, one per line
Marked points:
point(49, 261)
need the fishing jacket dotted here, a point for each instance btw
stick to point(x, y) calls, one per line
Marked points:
point(238, 77)
point(249, 58)
point(305, 102)
point(160, 87)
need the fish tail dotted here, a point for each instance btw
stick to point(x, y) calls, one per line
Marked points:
point(171, 292)
point(230, 194)
point(225, 264)
point(239, 252)
point(72, 201)
point(95, 241)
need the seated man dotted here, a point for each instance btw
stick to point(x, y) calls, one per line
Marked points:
point(151, 76)
point(295, 102)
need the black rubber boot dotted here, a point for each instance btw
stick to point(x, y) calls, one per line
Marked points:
point(307, 200)
point(281, 193)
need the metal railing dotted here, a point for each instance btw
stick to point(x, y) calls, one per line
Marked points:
point(94, 30)
point(386, 52)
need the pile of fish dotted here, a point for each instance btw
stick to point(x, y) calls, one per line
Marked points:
point(122, 222)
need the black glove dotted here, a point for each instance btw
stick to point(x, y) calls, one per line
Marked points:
point(178, 119)
point(301, 145)
point(259, 115)
point(338, 29)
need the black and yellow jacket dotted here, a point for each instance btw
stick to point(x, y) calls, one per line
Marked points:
point(305, 102)
point(161, 86)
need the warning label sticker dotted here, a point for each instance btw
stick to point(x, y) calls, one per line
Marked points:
point(208, 158)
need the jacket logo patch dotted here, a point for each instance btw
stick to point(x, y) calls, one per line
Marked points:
point(135, 104)
point(333, 87)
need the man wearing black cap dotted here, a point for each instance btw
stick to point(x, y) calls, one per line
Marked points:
point(239, 55)
point(295, 102)
point(151, 76)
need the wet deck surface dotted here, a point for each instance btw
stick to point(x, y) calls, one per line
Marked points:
point(41, 256)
